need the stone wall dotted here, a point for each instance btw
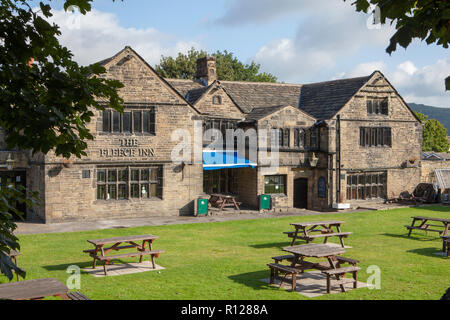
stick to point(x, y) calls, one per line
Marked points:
point(406, 139)
point(226, 109)
point(69, 196)
point(428, 167)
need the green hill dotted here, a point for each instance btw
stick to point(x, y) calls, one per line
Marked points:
point(440, 114)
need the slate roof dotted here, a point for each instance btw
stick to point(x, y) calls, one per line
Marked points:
point(321, 100)
point(250, 95)
point(183, 86)
point(324, 99)
point(261, 112)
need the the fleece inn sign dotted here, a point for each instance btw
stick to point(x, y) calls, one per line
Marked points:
point(128, 148)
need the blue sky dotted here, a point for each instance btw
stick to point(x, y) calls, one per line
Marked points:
point(299, 41)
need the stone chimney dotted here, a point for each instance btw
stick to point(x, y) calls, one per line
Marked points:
point(206, 70)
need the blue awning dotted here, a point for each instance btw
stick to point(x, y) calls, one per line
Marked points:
point(223, 159)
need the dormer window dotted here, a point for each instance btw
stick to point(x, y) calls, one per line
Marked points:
point(217, 99)
point(377, 106)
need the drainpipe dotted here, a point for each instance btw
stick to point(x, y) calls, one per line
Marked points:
point(338, 159)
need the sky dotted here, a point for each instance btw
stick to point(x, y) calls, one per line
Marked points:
point(298, 41)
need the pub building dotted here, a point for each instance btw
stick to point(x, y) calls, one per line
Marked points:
point(341, 142)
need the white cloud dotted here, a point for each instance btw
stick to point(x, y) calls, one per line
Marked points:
point(98, 35)
point(328, 32)
point(419, 85)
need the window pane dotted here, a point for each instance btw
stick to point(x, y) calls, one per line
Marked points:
point(154, 174)
point(137, 121)
point(154, 190)
point(354, 182)
point(112, 175)
point(134, 175)
point(369, 106)
point(349, 193)
point(101, 192)
point(112, 192)
point(368, 193)
point(101, 176)
point(144, 191)
point(144, 175)
point(123, 192)
point(123, 175)
point(385, 107)
point(146, 121)
point(134, 190)
point(116, 121)
point(152, 122)
point(127, 122)
point(286, 137)
point(106, 121)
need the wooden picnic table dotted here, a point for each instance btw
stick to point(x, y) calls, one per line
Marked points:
point(322, 229)
point(100, 252)
point(220, 201)
point(446, 245)
point(321, 250)
point(424, 225)
point(13, 255)
point(331, 268)
point(33, 289)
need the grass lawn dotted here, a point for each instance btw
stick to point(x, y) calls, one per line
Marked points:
point(226, 260)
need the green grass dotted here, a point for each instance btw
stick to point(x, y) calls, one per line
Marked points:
point(226, 260)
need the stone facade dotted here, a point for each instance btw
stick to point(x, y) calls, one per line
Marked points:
point(320, 152)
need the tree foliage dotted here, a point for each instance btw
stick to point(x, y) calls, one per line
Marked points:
point(228, 67)
point(45, 97)
point(427, 20)
point(434, 135)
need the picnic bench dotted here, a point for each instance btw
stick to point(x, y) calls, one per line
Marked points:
point(424, 225)
point(318, 229)
point(220, 201)
point(36, 289)
point(100, 252)
point(446, 244)
point(13, 255)
point(298, 264)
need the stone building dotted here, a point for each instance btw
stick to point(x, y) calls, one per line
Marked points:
point(342, 141)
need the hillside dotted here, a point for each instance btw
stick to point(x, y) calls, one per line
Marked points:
point(440, 114)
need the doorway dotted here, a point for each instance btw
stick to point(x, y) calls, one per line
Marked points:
point(14, 179)
point(301, 193)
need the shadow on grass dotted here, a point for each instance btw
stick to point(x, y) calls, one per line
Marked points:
point(412, 237)
point(429, 252)
point(435, 208)
point(279, 245)
point(253, 280)
point(63, 267)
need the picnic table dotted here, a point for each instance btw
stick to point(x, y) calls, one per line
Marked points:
point(446, 244)
point(220, 201)
point(322, 229)
point(317, 250)
point(424, 225)
point(100, 252)
point(33, 289)
point(13, 255)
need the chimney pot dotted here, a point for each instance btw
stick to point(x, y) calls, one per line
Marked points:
point(206, 70)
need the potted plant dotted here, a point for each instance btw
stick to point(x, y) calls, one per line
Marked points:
point(67, 163)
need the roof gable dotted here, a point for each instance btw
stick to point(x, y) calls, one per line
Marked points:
point(128, 56)
point(262, 112)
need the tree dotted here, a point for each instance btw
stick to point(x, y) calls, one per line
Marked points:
point(434, 135)
point(45, 98)
point(228, 67)
point(427, 20)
